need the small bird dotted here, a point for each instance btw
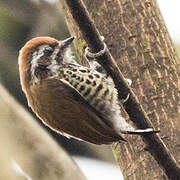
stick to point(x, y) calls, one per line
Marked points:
point(74, 100)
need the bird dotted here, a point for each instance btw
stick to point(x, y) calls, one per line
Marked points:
point(73, 100)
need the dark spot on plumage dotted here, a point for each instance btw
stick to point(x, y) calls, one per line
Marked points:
point(82, 79)
point(95, 93)
point(105, 93)
point(97, 75)
point(88, 81)
point(99, 88)
point(74, 70)
point(94, 83)
point(64, 75)
point(90, 76)
point(69, 72)
point(81, 88)
point(87, 92)
point(78, 77)
point(67, 79)
point(75, 85)
point(82, 70)
point(73, 76)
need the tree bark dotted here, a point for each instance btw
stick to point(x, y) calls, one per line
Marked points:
point(137, 38)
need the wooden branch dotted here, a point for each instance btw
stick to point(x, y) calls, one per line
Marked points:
point(134, 109)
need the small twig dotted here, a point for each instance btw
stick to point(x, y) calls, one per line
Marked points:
point(135, 111)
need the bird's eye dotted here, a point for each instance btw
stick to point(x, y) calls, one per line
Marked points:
point(48, 50)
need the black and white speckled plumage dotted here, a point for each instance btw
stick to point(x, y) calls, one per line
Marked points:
point(73, 100)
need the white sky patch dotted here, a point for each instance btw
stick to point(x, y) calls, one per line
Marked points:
point(171, 14)
point(19, 170)
point(98, 170)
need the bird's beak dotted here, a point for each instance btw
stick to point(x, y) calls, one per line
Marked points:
point(65, 43)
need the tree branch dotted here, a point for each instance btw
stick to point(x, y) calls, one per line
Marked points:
point(135, 111)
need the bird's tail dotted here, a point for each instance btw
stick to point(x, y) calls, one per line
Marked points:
point(140, 131)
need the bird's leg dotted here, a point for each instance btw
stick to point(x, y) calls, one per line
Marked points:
point(129, 81)
point(91, 58)
point(98, 54)
point(140, 131)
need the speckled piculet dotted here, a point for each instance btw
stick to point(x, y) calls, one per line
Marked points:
point(74, 100)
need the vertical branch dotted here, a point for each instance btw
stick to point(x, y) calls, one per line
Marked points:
point(134, 44)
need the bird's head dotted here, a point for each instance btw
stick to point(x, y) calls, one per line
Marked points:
point(39, 57)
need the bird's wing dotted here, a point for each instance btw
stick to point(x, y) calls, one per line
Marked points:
point(73, 115)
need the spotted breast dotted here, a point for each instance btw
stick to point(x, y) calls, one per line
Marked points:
point(97, 89)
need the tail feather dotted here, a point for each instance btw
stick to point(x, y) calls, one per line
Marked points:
point(140, 131)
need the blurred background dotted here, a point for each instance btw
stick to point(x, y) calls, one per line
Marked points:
point(25, 19)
